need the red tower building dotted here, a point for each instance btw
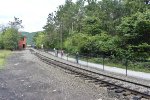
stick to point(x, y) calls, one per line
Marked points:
point(22, 42)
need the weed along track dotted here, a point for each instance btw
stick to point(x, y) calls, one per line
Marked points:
point(118, 87)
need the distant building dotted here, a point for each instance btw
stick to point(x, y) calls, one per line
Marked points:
point(29, 37)
point(26, 39)
point(22, 42)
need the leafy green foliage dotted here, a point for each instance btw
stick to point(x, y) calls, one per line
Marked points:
point(10, 39)
point(9, 36)
point(118, 29)
point(1, 42)
point(101, 44)
point(39, 39)
point(76, 42)
point(136, 29)
point(92, 26)
point(135, 33)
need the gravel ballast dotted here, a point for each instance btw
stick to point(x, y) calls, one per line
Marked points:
point(125, 84)
point(25, 77)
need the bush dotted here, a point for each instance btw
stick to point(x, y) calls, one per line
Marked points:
point(135, 32)
point(10, 39)
point(1, 42)
point(140, 66)
point(102, 44)
point(75, 42)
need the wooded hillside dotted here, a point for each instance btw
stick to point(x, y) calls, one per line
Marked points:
point(114, 28)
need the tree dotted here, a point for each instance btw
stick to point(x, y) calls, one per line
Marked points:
point(133, 6)
point(118, 28)
point(1, 42)
point(39, 39)
point(10, 39)
point(9, 36)
point(135, 33)
point(136, 29)
point(76, 42)
point(16, 24)
point(92, 26)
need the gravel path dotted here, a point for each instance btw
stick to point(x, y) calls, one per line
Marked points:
point(25, 77)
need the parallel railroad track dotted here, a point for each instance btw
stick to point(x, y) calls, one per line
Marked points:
point(106, 81)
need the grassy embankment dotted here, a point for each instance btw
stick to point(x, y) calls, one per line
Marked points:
point(3, 55)
point(135, 66)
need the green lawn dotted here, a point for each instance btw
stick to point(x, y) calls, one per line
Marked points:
point(3, 55)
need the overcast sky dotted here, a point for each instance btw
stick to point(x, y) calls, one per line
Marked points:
point(33, 13)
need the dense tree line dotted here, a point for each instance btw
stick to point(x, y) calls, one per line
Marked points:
point(9, 35)
point(115, 28)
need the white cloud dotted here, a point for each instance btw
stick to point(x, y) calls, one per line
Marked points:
point(33, 12)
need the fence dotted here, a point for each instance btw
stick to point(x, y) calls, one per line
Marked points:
point(103, 62)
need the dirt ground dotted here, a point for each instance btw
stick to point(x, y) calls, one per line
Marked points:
point(25, 77)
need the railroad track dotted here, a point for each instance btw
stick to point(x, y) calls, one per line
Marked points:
point(119, 86)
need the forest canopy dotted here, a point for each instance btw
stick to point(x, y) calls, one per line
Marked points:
point(115, 28)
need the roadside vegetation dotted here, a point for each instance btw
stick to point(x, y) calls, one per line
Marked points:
point(116, 29)
point(3, 55)
point(9, 35)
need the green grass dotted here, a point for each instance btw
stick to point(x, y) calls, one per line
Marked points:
point(139, 66)
point(136, 66)
point(3, 55)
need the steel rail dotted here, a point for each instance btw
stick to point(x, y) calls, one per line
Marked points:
point(55, 62)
